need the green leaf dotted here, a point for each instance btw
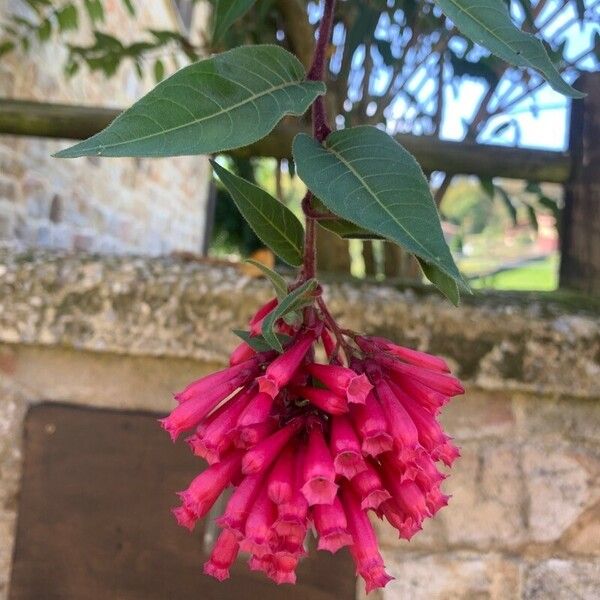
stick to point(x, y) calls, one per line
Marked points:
point(159, 70)
point(228, 12)
point(343, 229)
point(443, 282)
point(510, 207)
point(364, 176)
point(67, 17)
point(274, 223)
point(300, 297)
point(532, 216)
point(95, 10)
point(258, 342)
point(44, 30)
point(227, 101)
point(129, 7)
point(488, 22)
point(279, 283)
point(6, 47)
point(487, 185)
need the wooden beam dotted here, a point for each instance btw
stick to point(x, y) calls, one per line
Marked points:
point(580, 239)
point(19, 117)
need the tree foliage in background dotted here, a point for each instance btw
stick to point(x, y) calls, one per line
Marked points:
point(392, 62)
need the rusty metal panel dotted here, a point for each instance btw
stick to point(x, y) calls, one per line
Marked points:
point(94, 521)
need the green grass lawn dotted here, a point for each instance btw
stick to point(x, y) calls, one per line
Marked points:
point(540, 276)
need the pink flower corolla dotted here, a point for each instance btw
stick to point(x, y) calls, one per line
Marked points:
point(312, 447)
point(319, 472)
point(345, 448)
point(413, 357)
point(199, 399)
point(369, 488)
point(211, 441)
point(281, 479)
point(223, 555)
point(371, 423)
point(282, 369)
point(343, 381)
point(204, 490)
point(364, 549)
point(265, 452)
point(331, 525)
point(325, 400)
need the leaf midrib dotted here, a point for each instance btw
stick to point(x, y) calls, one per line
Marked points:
point(491, 31)
point(372, 193)
point(200, 120)
point(265, 217)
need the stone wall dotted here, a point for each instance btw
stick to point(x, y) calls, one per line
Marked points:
point(524, 519)
point(107, 206)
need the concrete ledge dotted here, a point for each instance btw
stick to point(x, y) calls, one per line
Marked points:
point(184, 309)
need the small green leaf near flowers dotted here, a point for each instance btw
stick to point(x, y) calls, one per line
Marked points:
point(302, 296)
point(275, 224)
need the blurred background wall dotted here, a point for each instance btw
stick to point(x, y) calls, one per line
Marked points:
point(131, 205)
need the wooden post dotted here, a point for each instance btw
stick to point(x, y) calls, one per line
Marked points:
point(333, 255)
point(580, 261)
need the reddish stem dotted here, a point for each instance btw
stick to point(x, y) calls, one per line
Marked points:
point(320, 132)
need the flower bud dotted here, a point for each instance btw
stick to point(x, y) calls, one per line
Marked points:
point(222, 556)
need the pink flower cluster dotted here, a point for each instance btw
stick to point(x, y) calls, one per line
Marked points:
point(313, 445)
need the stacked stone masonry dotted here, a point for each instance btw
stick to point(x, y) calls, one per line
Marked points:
point(524, 519)
point(108, 206)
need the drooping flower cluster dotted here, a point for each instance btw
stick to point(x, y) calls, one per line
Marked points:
point(315, 445)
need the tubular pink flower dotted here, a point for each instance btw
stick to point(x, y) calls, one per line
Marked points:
point(282, 369)
point(213, 454)
point(431, 435)
point(414, 357)
point(191, 411)
point(324, 399)
point(266, 451)
point(292, 515)
point(256, 321)
point(369, 488)
point(283, 567)
point(251, 435)
point(235, 377)
point(429, 399)
point(428, 470)
point(281, 479)
point(406, 525)
point(440, 382)
point(331, 525)
point(409, 498)
point(215, 438)
point(257, 410)
point(241, 353)
point(436, 500)
point(400, 424)
point(238, 506)
point(258, 531)
point(184, 517)
point(364, 549)
point(328, 342)
point(400, 469)
point(319, 485)
point(223, 555)
point(201, 494)
point(371, 424)
point(343, 381)
point(264, 564)
point(345, 448)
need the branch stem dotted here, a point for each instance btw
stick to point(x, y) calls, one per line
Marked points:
point(321, 130)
